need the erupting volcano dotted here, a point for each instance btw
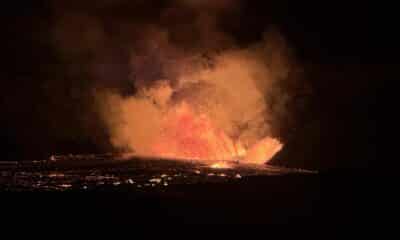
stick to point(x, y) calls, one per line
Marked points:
point(186, 135)
point(218, 107)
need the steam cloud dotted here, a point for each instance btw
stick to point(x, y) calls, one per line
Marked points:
point(172, 67)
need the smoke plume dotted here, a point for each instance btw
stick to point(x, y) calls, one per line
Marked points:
point(230, 89)
point(174, 84)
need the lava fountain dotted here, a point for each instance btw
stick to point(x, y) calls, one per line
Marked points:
point(186, 135)
point(208, 110)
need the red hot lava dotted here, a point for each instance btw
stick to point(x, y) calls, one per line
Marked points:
point(186, 135)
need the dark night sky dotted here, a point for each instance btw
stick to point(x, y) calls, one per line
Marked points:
point(347, 50)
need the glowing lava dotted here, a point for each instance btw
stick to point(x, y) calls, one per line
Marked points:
point(187, 135)
point(220, 165)
point(206, 112)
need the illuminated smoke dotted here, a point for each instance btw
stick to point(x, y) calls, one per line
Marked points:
point(174, 85)
point(214, 108)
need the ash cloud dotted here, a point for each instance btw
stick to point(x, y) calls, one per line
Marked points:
point(141, 65)
point(231, 87)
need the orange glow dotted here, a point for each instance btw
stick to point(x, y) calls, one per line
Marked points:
point(205, 112)
point(186, 135)
point(263, 151)
point(220, 165)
